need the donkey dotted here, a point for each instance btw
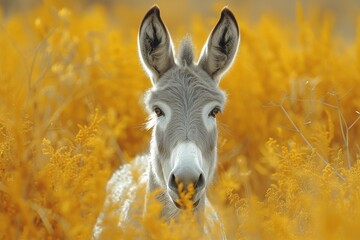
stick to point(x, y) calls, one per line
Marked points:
point(182, 103)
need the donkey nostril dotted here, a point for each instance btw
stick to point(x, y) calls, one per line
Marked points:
point(200, 184)
point(172, 183)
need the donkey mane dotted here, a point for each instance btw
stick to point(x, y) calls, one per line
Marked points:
point(186, 52)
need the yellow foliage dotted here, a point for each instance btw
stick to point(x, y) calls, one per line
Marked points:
point(71, 88)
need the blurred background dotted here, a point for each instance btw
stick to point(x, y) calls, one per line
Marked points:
point(345, 12)
point(71, 89)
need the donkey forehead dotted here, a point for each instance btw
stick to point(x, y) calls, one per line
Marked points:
point(185, 86)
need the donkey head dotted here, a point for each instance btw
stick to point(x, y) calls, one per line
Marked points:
point(184, 101)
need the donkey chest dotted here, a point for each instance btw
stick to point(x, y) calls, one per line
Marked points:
point(127, 187)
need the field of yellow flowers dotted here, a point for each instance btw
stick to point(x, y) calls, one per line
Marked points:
point(71, 90)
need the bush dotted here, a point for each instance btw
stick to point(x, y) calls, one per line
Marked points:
point(70, 95)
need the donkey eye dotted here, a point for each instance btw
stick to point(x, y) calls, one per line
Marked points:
point(158, 112)
point(214, 112)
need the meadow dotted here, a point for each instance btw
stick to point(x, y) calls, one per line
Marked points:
point(71, 89)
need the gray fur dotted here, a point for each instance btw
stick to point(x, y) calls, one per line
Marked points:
point(187, 90)
point(155, 45)
point(221, 46)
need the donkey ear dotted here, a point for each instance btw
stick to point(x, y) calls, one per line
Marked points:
point(221, 46)
point(155, 46)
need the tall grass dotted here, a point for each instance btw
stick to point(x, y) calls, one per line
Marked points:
point(70, 96)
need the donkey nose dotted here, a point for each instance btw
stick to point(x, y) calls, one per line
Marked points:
point(197, 180)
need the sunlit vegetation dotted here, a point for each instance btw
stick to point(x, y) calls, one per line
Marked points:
point(71, 90)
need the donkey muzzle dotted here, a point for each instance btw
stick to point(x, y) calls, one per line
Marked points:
point(187, 179)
